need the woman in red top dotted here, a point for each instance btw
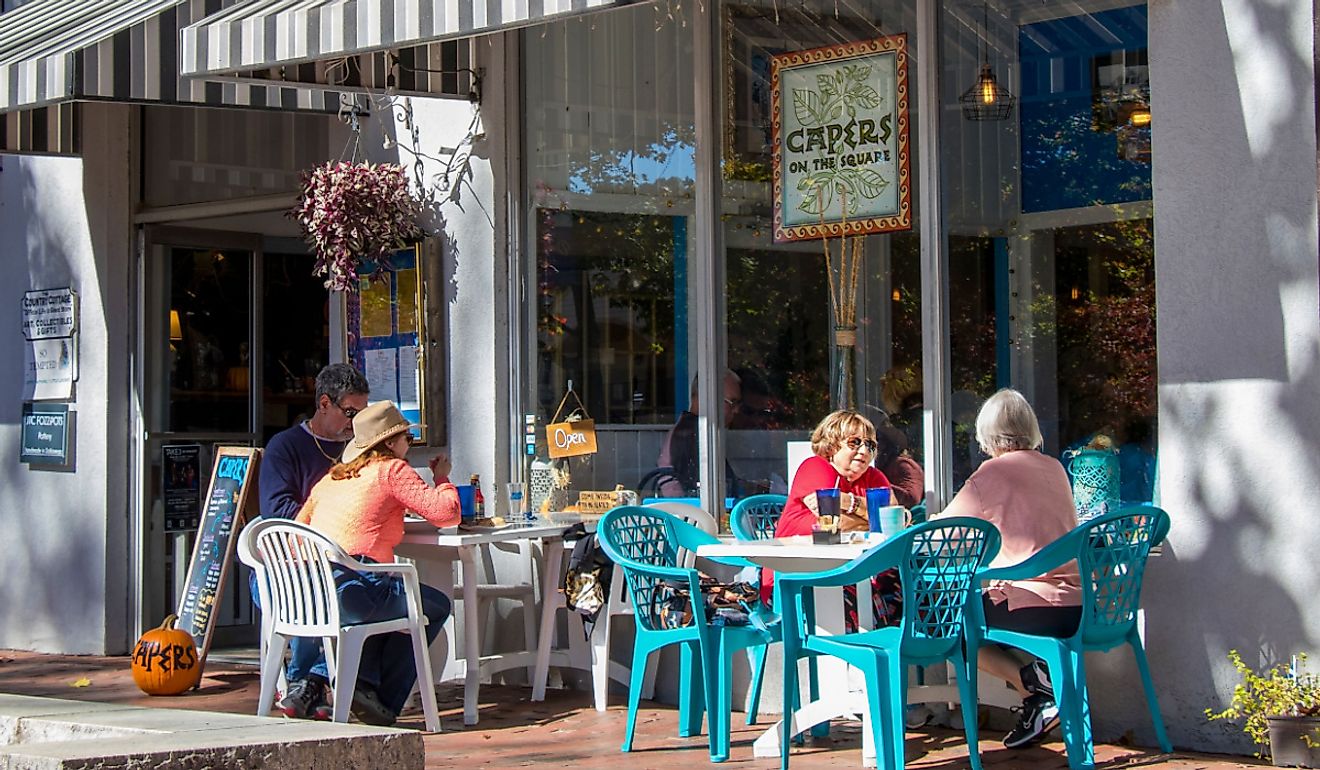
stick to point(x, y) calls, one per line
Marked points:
point(844, 446)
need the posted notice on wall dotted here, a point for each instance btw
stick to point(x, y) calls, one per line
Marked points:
point(50, 325)
point(49, 369)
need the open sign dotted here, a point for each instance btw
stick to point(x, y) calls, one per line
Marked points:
point(570, 439)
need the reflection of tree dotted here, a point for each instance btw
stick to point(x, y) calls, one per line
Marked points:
point(1107, 354)
point(664, 168)
point(778, 326)
point(605, 286)
point(1069, 164)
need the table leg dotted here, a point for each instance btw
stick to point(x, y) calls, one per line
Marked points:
point(553, 563)
point(471, 637)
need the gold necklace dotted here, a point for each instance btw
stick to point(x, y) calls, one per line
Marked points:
point(320, 448)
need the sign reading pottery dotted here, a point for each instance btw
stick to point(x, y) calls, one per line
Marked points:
point(841, 151)
point(45, 434)
point(49, 314)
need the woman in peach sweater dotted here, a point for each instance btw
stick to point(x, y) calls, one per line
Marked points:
point(1026, 495)
point(360, 505)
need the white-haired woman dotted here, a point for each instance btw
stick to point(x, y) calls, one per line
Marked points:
point(1026, 495)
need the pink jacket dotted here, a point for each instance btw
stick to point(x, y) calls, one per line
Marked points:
point(364, 515)
point(1026, 495)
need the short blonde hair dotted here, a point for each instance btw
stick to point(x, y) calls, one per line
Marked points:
point(831, 432)
point(1007, 423)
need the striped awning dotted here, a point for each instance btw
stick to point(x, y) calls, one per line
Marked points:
point(261, 34)
point(56, 51)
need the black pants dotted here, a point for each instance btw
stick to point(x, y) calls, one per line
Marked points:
point(1058, 622)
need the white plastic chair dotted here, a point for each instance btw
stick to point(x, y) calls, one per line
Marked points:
point(295, 579)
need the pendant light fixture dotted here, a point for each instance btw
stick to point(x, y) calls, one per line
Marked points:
point(986, 99)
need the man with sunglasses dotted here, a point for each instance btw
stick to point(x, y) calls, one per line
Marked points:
point(293, 461)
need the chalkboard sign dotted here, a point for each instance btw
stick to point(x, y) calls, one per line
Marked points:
point(232, 476)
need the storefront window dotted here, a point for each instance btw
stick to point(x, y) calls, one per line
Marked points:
point(785, 293)
point(610, 172)
point(1051, 254)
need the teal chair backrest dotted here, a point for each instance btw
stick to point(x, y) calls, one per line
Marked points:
point(937, 563)
point(755, 517)
point(1095, 482)
point(646, 543)
point(1112, 554)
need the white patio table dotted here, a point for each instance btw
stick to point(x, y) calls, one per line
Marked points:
point(799, 554)
point(436, 550)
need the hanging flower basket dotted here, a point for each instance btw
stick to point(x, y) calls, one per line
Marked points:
point(351, 213)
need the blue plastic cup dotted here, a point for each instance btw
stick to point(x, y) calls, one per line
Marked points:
point(876, 498)
point(827, 502)
point(467, 502)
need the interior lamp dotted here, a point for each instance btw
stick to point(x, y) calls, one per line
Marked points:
point(176, 328)
point(986, 99)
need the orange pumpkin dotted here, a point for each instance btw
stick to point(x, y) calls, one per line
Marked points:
point(165, 660)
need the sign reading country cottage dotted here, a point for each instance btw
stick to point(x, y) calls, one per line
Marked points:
point(49, 314)
point(841, 152)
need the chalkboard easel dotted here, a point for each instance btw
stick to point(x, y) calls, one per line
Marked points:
point(232, 476)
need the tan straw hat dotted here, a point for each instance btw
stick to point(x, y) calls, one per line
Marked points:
point(379, 422)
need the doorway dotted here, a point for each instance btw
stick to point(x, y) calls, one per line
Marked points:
point(234, 330)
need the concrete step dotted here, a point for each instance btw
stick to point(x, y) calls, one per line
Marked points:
point(53, 734)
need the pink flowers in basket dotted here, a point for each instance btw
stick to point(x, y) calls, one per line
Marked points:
point(352, 213)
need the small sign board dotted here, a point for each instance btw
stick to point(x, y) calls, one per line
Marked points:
point(50, 368)
point(49, 314)
point(181, 470)
point(45, 434)
point(601, 502)
point(570, 439)
point(233, 475)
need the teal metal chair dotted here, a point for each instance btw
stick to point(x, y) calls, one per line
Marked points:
point(1111, 553)
point(755, 518)
point(646, 542)
point(938, 563)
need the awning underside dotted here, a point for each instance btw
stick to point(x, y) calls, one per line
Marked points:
point(262, 34)
point(54, 51)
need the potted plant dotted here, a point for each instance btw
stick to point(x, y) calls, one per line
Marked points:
point(1281, 709)
point(353, 213)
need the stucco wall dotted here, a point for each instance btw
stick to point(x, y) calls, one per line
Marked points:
point(64, 222)
point(1239, 359)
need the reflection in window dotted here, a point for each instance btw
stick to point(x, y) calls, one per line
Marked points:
point(777, 322)
point(605, 313)
point(1105, 290)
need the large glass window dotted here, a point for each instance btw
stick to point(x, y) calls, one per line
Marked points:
point(815, 324)
point(610, 174)
point(1051, 254)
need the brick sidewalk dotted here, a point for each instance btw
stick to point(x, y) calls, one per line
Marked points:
point(564, 730)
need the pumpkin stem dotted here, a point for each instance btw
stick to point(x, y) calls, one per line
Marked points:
point(169, 622)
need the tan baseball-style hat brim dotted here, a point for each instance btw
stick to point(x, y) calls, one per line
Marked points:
point(379, 422)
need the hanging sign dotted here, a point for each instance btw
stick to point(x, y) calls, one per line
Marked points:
point(49, 368)
point(840, 128)
point(573, 437)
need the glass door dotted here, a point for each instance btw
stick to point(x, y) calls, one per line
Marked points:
point(202, 375)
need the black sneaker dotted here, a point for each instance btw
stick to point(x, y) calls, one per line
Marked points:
point(368, 708)
point(306, 699)
point(1037, 716)
point(1036, 678)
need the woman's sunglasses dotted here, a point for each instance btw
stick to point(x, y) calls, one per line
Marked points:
point(857, 443)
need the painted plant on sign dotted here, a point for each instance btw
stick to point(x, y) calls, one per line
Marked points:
point(351, 213)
